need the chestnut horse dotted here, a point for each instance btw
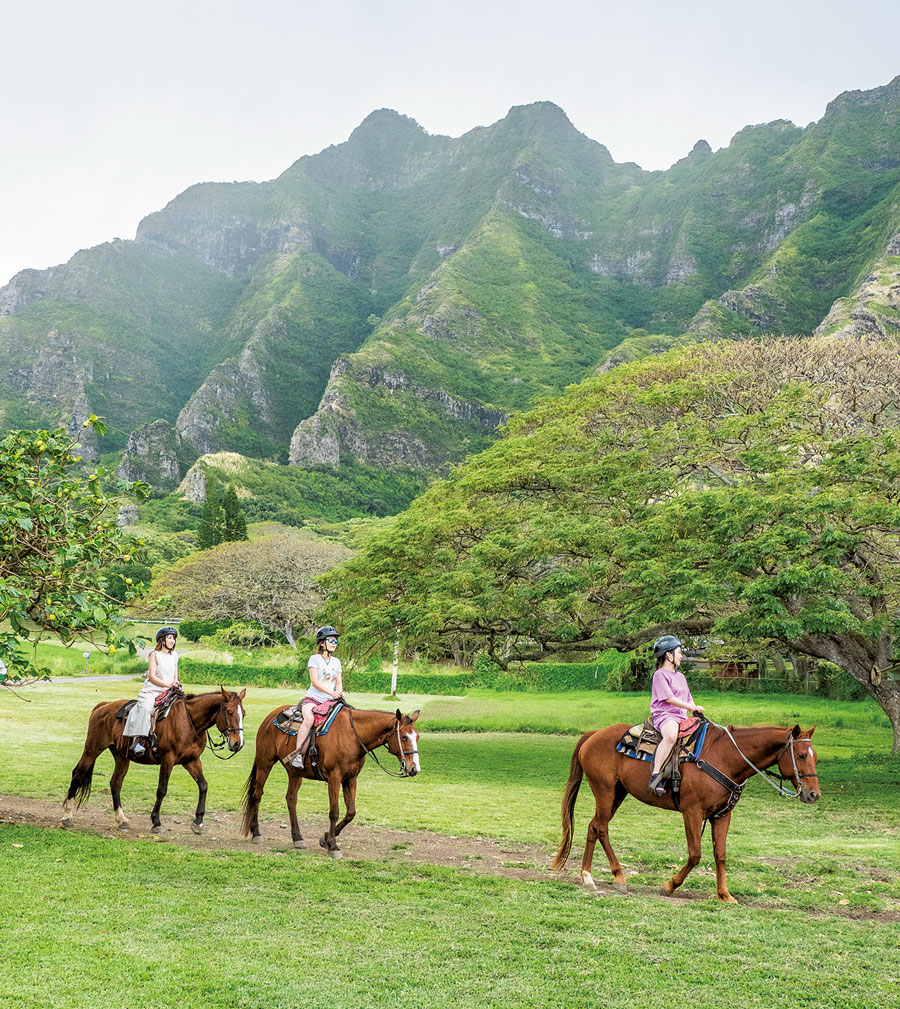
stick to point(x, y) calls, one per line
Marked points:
point(737, 753)
point(181, 740)
point(353, 735)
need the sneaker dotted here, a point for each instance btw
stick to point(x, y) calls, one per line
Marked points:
point(138, 749)
point(656, 785)
point(298, 760)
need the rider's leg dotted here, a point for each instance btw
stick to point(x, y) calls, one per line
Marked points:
point(669, 732)
point(297, 755)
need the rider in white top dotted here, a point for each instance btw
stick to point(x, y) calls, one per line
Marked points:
point(162, 673)
point(325, 684)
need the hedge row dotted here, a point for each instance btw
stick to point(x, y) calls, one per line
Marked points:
point(551, 677)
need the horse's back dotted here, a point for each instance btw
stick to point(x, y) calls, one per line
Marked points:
point(598, 749)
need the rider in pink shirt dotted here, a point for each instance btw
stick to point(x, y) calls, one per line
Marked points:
point(670, 702)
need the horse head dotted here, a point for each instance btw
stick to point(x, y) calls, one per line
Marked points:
point(797, 764)
point(403, 742)
point(230, 718)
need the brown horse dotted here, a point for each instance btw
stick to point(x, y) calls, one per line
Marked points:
point(353, 734)
point(737, 753)
point(181, 740)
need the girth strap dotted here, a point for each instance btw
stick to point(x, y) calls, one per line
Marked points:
point(733, 787)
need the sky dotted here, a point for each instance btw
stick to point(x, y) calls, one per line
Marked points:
point(111, 109)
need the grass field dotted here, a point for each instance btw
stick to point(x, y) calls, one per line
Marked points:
point(109, 925)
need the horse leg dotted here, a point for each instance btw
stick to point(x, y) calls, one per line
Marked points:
point(295, 779)
point(328, 839)
point(719, 833)
point(195, 769)
point(115, 788)
point(607, 802)
point(349, 787)
point(165, 769)
point(693, 828)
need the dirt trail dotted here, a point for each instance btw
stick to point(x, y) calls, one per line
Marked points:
point(221, 831)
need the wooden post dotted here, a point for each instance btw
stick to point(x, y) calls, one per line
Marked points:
point(394, 669)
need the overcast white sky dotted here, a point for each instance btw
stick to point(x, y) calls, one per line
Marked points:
point(111, 109)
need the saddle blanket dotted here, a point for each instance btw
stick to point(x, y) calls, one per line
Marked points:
point(323, 716)
point(640, 741)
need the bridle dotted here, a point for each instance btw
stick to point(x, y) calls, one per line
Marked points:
point(770, 777)
point(223, 738)
point(404, 769)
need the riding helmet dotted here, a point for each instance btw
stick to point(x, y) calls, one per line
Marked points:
point(325, 632)
point(163, 631)
point(667, 643)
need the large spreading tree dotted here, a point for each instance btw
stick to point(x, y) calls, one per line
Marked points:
point(273, 579)
point(58, 543)
point(742, 489)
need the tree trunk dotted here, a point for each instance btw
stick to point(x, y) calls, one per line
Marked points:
point(289, 634)
point(860, 657)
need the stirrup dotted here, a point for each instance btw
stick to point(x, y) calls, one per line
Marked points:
point(656, 784)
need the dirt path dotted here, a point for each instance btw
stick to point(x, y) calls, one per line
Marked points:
point(221, 831)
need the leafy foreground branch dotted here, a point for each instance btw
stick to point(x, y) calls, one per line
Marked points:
point(746, 490)
point(58, 538)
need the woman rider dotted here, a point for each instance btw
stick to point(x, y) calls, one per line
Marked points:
point(162, 673)
point(670, 702)
point(325, 679)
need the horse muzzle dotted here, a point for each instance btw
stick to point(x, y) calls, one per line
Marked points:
point(809, 795)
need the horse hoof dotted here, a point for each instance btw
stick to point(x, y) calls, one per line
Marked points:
point(197, 828)
point(666, 890)
point(300, 843)
point(157, 829)
point(124, 825)
point(337, 853)
point(620, 887)
point(727, 899)
point(256, 839)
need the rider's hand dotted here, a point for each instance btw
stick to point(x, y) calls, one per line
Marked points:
point(698, 710)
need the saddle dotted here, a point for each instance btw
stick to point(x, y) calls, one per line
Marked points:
point(161, 706)
point(323, 716)
point(641, 740)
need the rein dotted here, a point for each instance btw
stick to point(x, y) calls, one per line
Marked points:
point(404, 773)
point(768, 776)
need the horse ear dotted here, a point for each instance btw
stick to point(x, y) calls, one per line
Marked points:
point(224, 691)
point(399, 715)
point(411, 718)
point(809, 734)
point(795, 732)
point(242, 694)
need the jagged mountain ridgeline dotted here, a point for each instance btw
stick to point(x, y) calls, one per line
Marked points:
point(389, 301)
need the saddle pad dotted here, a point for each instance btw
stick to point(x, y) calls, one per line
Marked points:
point(284, 719)
point(640, 742)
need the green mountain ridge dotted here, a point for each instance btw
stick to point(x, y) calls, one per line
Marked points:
point(389, 301)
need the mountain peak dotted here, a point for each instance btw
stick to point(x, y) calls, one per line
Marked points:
point(386, 124)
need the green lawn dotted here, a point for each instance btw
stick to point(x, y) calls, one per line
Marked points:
point(227, 929)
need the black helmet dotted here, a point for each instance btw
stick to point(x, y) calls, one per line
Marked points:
point(667, 643)
point(325, 632)
point(163, 631)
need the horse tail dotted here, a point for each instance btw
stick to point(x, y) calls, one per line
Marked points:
point(80, 787)
point(576, 773)
point(247, 801)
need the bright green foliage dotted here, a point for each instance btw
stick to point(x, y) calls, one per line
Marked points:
point(744, 489)
point(58, 544)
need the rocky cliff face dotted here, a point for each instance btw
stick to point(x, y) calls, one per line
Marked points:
point(392, 299)
point(154, 455)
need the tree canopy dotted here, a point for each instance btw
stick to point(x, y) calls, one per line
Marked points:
point(748, 489)
point(273, 579)
point(58, 543)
